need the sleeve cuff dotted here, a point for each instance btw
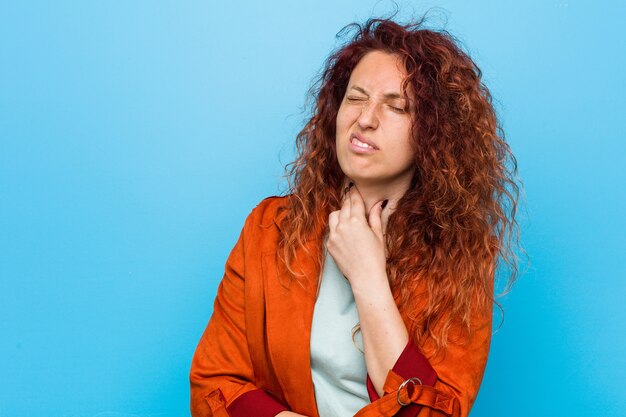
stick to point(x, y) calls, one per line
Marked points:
point(255, 403)
point(410, 363)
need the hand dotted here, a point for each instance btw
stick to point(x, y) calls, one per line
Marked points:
point(289, 414)
point(356, 241)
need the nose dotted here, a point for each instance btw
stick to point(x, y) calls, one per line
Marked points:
point(369, 115)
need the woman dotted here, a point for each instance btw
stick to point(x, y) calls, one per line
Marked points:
point(368, 290)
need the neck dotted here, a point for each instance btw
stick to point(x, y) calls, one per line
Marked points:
point(375, 193)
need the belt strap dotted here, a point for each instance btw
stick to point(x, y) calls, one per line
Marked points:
point(397, 394)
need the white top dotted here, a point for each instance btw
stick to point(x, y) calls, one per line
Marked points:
point(338, 367)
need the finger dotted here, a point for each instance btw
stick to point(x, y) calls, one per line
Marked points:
point(375, 218)
point(357, 204)
point(344, 213)
point(333, 219)
point(344, 194)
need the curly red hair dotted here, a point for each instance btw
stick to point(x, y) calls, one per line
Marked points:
point(456, 223)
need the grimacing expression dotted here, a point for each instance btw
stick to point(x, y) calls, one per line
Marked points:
point(373, 129)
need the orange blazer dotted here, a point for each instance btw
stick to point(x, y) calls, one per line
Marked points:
point(254, 356)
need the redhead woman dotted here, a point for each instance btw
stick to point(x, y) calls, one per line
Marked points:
point(368, 289)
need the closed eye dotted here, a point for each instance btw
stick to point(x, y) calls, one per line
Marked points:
point(353, 99)
point(397, 109)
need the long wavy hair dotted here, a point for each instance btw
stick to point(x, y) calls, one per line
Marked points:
point(456, 223)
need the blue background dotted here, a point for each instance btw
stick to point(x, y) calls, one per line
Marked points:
point(137, 135)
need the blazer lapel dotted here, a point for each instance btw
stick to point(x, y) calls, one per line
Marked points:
point(289, 314)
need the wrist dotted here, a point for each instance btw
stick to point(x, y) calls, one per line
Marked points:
point(371, 288)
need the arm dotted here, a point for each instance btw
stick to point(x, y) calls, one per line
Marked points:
point(358, 248)
point(222, 375)
point(459, 370)
point(386, 341)
point(384, 333)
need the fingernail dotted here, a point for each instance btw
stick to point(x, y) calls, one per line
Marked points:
point(384, 204)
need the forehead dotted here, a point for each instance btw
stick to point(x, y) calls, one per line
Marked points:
point(379, 72)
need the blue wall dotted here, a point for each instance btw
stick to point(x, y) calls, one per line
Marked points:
point(137, 135)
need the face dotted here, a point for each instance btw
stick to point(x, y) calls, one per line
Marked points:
point(373, 130)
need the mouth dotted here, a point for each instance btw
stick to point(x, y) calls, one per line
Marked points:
point(361, 141)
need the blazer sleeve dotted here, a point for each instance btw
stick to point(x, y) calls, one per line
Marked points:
point(222, 375)
point(454, 376)
point(461, 367)
point(410, 364)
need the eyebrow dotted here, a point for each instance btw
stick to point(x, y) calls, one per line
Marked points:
point(387, 95)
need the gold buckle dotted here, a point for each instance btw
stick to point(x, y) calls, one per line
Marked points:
point(415, 381)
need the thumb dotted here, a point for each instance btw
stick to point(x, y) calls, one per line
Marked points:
point(375, 218)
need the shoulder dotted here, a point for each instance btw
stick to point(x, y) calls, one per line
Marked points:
point(270, 207)
point(268, 214)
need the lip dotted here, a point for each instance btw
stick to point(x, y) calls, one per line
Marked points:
point(363, 139)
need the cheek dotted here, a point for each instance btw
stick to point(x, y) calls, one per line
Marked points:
point(407, 132)
point(406, 143)
point(341, 121)
point(346, 117)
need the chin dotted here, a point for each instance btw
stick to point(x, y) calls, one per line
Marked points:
point(357, 179)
